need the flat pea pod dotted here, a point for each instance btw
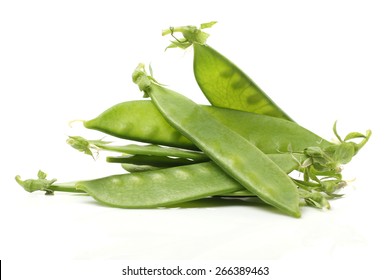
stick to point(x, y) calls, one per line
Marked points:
point(287, 162)
point(175, 185)
point(230, 151)
point(222, 82)
point(139, 120)
point(226, 85)
point(140, 190)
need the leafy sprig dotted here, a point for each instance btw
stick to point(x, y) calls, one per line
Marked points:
point(191, 34)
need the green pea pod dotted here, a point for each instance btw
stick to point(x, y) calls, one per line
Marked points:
point(227, 86)
point(140, 190)
point(230, 151)
point(222, 82)
point(175, 185)
point(139, 120)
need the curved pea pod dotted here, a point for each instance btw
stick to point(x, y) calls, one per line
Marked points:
point(226, 85)
point(230, 151)
point(139, 120)
point(222, 82)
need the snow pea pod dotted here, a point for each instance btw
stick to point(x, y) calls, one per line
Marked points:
point(226, 85)
point(139, 190)
point(175, 185)
point(230, 151)
point(222, 82)
point(140, 120)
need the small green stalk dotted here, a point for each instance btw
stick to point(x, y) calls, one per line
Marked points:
point(48, 186)
point(191, 34)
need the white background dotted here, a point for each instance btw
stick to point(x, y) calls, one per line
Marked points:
point(64, 60)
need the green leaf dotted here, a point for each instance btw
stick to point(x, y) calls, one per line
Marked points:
point(344, 153)
point(80, 144)
point(207, 24)
point(179, 44)
point(354, 135)
point(41, 175)
point(316, 199)
point(191, 34)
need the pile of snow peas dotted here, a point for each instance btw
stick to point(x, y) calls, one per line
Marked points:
point(241, 145)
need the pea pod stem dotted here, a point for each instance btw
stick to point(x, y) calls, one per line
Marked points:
point(188, 27)
point(191, 34)
point(48, 186)
point(65, 187)
point(175, 29)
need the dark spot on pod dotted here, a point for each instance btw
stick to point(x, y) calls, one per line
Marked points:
point(254, 98)
point(239, 84)
point(226, 73)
